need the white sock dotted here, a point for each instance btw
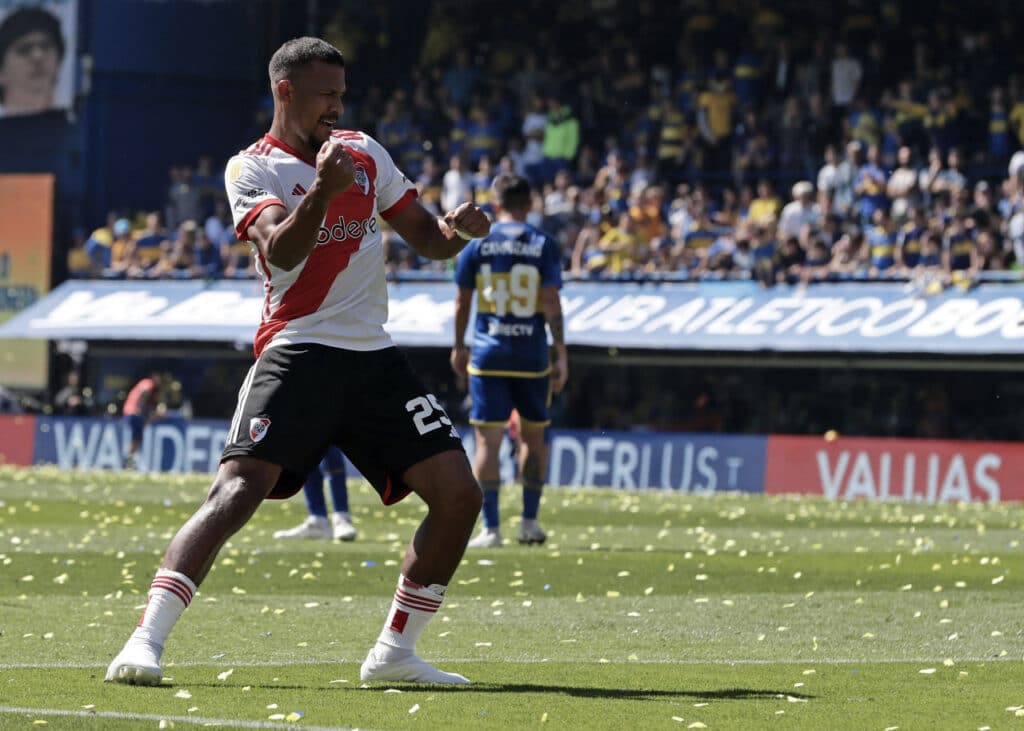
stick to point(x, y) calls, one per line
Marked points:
point(413, 606)
point(169, 594)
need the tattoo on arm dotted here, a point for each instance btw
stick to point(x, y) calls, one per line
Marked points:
point(557, 325)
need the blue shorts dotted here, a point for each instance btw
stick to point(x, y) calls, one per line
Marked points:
point(136, 424)
point(494, 397)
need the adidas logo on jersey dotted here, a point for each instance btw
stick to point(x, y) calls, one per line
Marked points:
point(298, 189)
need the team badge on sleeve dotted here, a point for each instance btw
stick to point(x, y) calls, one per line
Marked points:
point(362, 179)
point(258, 428)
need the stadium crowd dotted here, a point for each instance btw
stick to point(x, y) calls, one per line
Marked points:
point(778, 141)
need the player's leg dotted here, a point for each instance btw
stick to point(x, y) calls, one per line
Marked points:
point(273, 442)
point(240, 486)
point(404, 442)
point(491, 404)
point(532, 396)
point(136, 425)
point(533, 460)
point(333, 467)
point(487, 469)
point(316, 524)
point(446, 485)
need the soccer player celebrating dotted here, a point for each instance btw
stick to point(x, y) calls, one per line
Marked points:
point(516, 272)
point(307, 199)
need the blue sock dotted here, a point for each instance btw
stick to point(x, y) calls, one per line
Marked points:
point(313, 491)
point(531, 499)
point(333, 466)
point(490, 510)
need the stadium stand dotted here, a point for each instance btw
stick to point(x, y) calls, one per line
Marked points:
point(709, 153)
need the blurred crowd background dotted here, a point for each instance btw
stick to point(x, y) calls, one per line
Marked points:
point(779, 141)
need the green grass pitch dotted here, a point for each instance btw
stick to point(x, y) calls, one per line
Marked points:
point(644, 610)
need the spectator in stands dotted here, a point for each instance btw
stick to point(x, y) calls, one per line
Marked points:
point(146, 249)
point(845, 180)
point(715, 113)
point(238, 259)
point(78, 262)
point(561, 138)
point(456, 185)
point(765, 208)
point(534, 124)
point(428, 185)
point(620, 243)
point(847, 73)
point(206, 258)
point(218, 224)
point(73, 399)
point(184, 200)
point(31, 52)
point(789, 261)
point(141, 404)
point(882, 242)
point(801, 211)
point(869, 186)
point(902, 187)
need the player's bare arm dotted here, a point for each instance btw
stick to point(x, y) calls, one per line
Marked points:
point(552, 306)
point(284, 239)
point(438, 238)
point(460, 353)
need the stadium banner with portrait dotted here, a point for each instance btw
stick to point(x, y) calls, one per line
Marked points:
point(913, 470)
point(862, 317)
point(37, 55)
point(26, 243)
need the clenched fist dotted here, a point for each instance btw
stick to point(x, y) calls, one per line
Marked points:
point(468, 221)
point(335, 169)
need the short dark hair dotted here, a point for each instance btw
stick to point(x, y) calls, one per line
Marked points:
point(300, 52)
point(512, 191)
point(28, 20)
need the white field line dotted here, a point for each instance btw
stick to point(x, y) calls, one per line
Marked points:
point(197, 720)
point(169, 668)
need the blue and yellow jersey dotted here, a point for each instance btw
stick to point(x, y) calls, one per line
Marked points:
point(699, 237)
point(911, 240)
point(508, 268)
point(882, 244)
point(960, 247)
point(999, 133)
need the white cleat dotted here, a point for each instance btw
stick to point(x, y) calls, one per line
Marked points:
point(136, 664)
point(530, 532)
point(314, 526)
point(343, 528)
point(407, 669)
point(486, 538)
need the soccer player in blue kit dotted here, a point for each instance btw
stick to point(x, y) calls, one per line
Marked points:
point(317, 525)
point(516, 272)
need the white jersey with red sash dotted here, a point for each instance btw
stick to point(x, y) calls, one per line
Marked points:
point(337, 296)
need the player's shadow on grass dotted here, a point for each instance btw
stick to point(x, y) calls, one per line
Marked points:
point(737, 694)
point(634, 694)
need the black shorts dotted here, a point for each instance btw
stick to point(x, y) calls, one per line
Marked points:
point(297, 400)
